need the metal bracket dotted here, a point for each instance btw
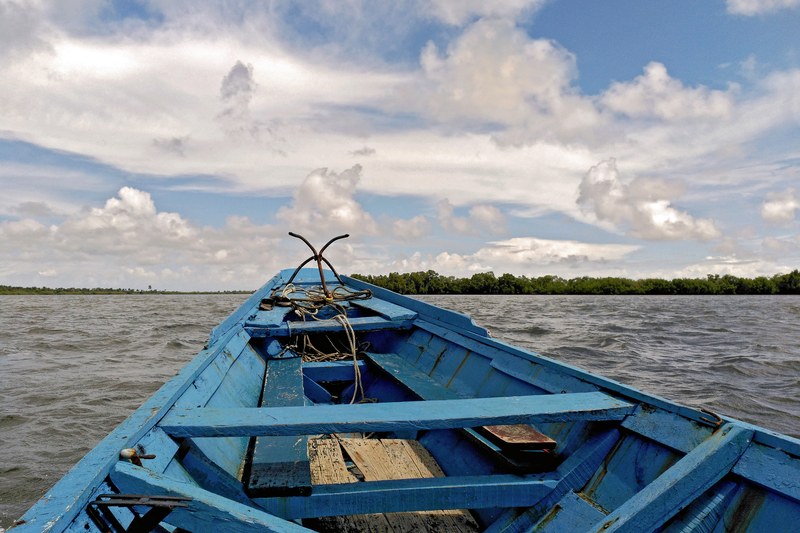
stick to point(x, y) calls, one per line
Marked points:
point(319, 259)
point(160, 507)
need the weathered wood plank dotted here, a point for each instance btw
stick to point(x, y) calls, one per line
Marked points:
point(401, 495)
point(396, 416)
point(384, 459)
point(327, 467)
point(280, 464)
point(676, 488)
point(206, 511)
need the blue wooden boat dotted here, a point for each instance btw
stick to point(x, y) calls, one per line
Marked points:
point(325, 403)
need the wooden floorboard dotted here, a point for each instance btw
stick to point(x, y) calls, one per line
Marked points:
point(377, 460)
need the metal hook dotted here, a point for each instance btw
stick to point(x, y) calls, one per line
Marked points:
point(319, 259)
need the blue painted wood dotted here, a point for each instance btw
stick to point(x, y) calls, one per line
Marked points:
point(280, 464)
point(240, 386)
point(704, 514)
point(681, 484)
point(206, 511)
point(774, 469)
point(209, 475)
point(574, 472)
point(635, 463)
point(316, 392)
point(670, 429)
point(332, 371)
point(423, 494)
point(289, 329)
point(69, 495)
point(386, 309)
point(399, 416)
point(571, 513)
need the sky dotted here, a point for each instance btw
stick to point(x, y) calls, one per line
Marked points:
point(173, 144)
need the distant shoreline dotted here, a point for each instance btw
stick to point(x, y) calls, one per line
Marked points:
point(432, 283)
point(7, 290)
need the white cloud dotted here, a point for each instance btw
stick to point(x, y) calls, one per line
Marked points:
point(483, 218)
point(411, 229)
point(457, 12)
point(495, 75)
point(128, 239)
point(655, 94)
point(759, 7)
point(780, 207)
point(324, 205)
point(527, 251)
point(643, 208)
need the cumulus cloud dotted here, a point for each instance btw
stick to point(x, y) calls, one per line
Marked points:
point(780, 207)
point(481, 218)
point(236, 92)
point(642, 208)
point(655, 94)
point(411, 229)
point(759, 7)
point(325, 205)
point(128, 238)
point(495, 75)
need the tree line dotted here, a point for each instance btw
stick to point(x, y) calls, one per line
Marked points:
point(10, 289)
point(431, 282)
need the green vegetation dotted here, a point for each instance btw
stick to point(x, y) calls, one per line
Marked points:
point(431, 282)
point(487, 283)
point(7, 289)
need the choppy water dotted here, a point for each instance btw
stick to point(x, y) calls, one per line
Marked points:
point(73, 367)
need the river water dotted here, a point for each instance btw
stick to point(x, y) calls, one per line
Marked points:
point(73, 367)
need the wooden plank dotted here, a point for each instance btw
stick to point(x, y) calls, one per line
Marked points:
point(209, 475)
point(289, 329)
point(401, 495)
point(316, 392)
point(396, 416)
point(385, 309)
point(384, 459)
point(68, 496)
point(280, 463)
point(771, 468)
point(332, 371)
point(206, 511)
point(670, 429)
point(571, 513)
point(676, 488)
point(328, 466)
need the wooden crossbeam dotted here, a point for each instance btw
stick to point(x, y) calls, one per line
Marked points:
point(395, 416)
point(288, 329)
point(423, 494)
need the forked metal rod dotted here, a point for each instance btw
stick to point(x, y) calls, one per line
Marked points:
point(319, 259)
